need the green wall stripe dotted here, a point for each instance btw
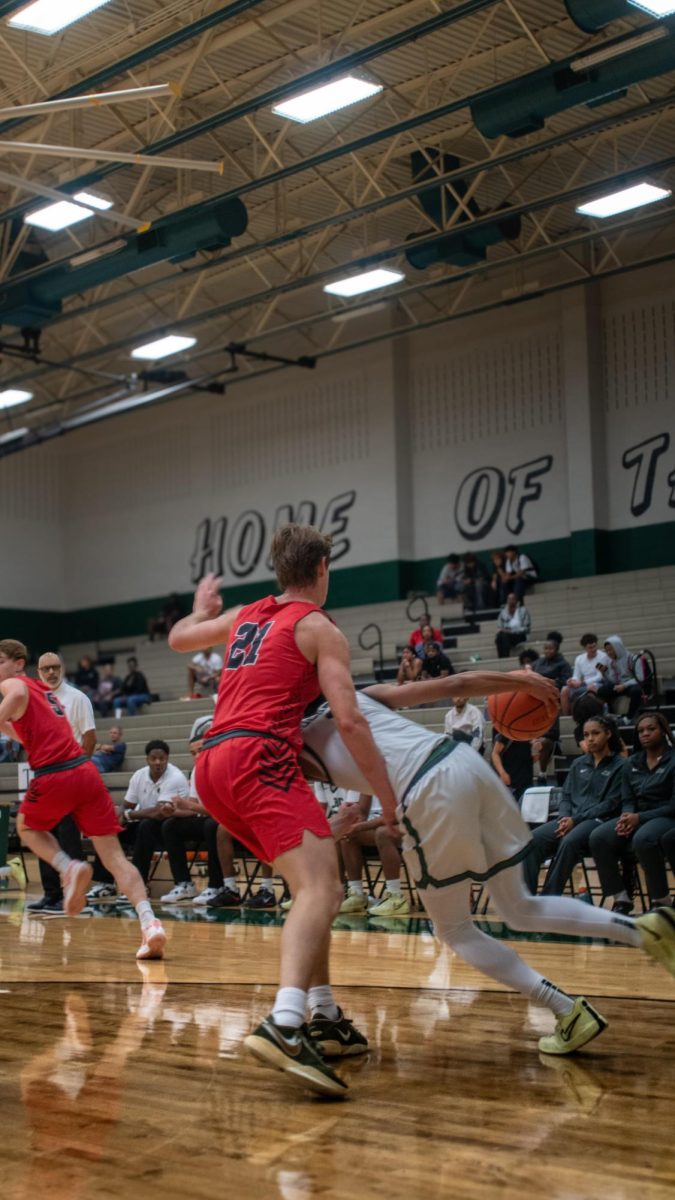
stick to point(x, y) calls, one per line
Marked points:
point(585, 552)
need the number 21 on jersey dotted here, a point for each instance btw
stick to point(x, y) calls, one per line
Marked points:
point(245, 648)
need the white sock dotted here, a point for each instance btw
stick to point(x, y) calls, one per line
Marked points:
point(355, 887)
point(231, 883)
point(289, 1007)
point(394, 886)
point(548, 995)
point(622, 896)
point(266, 885)
point(61, 861)
point(321, 1002)
point(145, 914)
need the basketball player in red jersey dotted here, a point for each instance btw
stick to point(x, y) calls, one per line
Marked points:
point(281, 652)
point(66, 781)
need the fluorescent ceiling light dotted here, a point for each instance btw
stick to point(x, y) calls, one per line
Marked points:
point(58, 216)
point(93, 201)
point(624, 200)
point(50, 16)
point(657, 8)
point(163, 347)
point(13, 435)
point(12, 396)
point(318, 102)
point(605, 53)
point(367, 281)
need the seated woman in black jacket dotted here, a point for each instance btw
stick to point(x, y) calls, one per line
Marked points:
point(647, 816)
point(591, 795)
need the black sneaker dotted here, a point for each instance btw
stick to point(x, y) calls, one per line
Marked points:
point(225, 898)
point(264, 898)
point(622, 907)
point(336, 1038)
point(289, 1050)
point(44, 904)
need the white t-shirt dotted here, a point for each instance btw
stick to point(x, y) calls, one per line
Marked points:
point(586, 669)
point(208, 662)
point(78, 709)
point(469, 721)
point(142, 792)
point(522, 563)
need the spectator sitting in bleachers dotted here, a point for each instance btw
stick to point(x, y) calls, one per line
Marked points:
point(86, 677)
point(135, 692)
point(166, 618)
point(527, 658)
point(372, 832)
point(9, 750)
point(591, 794)
point(204, 673)
point(619, 679)
point(586, 707)
point(520, 571)
point(587, 674)
point(428, 636)
point(109, 756)
point(190, 822)
point(409, 667)
point(513, 626)
point(417, 636)
point(435, 663)
point(450, 582)
point(476, 584)
point(647, 816)
point(513, 763)
point(551, 664)
point(464, 722)
point(109, 688)
point(499, 579)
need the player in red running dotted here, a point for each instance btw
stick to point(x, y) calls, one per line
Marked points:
point(280, 653)
point(66, 781)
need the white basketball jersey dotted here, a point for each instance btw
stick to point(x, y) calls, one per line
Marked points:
point(403, 744)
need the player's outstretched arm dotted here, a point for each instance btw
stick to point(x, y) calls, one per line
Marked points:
point(207, 624)
point(465, 685)
point(13, 703)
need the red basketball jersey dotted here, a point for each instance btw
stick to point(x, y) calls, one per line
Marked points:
point(44, 728)
point(266, 682)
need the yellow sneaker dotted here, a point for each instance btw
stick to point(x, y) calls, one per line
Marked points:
point(18, 874)
point(286, 905)
point(657, 931)
point(354, 903)
point(574, 1030)
point(392, 904)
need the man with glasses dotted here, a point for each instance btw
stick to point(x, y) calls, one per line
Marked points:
point(80, 714)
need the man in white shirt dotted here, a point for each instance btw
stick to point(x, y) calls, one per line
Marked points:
point(150, 800)
point(588, 675)
point(81, 718)
point(464, 722)
point(204, 672)
point(513, 625)
point(520, 570)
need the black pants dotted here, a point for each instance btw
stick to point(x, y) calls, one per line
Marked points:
point(68, 836)
point(608, 849)
point(633, 691)
point(566, 852)
point(506, 640)
point(177, 832)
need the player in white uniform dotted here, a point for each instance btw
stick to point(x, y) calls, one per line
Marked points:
point(460, 824)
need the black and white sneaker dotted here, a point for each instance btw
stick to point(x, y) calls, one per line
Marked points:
point(101, 891)
point(45, 904)
point(290, 1050)
point(264, 898)
point(336, 1038)
point(224, 898)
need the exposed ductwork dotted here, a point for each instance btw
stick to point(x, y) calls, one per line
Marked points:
point(36, 297)
point(592, 15)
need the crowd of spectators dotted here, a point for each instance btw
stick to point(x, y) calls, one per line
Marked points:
point(480, 586)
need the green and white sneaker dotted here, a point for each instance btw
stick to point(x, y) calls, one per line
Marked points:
point(336, 1038)
point(657, 931)
point(354, 903)
point(17, 872)
point(285, 905)
point(290, 1050)
point(574, 1030)
point(392, 904)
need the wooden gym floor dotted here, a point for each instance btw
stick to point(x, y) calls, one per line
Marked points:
point(117, 1081)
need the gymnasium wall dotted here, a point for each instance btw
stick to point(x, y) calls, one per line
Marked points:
point(548, 423)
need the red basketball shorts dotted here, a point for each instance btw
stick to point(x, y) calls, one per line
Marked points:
point(80, 793)
point(254, 788)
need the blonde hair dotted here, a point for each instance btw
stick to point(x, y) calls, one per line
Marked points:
point(297, 551)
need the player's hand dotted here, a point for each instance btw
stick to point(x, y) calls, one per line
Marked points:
point(208, 602)
point(506, 779)
point(565, 824)
point(345, 820)
point(539, 686)
point(627, 824)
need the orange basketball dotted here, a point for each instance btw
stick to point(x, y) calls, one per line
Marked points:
point(520, 716)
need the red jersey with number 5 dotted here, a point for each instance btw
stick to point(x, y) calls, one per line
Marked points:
point(267, 682)
point(44, 728)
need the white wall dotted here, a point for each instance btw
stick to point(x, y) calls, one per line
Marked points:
point(31, 574)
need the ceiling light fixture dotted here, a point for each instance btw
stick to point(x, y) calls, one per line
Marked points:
point(93, 201)
point(55, 217)
point(367, 281)
point(12, 396)
point(606, 53)
point(623, 200)
point(328, 98)
point(171, 344)
point(13, 435)
point(655, 8)
point(50, 16)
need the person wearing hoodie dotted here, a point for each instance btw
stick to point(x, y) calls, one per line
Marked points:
point(619, 679)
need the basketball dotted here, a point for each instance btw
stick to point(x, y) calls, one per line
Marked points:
point(520, 716)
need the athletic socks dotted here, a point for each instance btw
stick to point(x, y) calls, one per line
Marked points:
point(355, 888)
point(394, 887)
point(321, 1002)
point(145, 914)
point(623, 897)
point(61, 861)
point(231, 883)
point(549, 996)
point(289, 1007)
